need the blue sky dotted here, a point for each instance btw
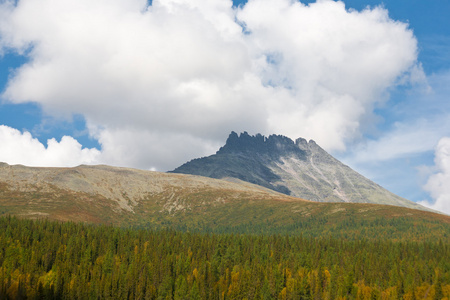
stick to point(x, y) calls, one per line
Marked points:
point(153, 87)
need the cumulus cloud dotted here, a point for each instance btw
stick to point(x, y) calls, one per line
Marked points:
point(180, 75)
point(156, 151)
point(21, 148)
point(335, 63)
point(438, 183)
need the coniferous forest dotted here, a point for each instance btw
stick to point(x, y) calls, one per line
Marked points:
point(51, 260)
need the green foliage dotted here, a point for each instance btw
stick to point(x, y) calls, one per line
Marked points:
point(310, 219)
point(50, 260)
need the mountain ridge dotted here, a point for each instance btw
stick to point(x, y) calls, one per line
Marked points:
point(298, 168)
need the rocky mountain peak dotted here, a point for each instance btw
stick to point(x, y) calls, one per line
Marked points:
point(301, 169)
point(302, 143)
point(274, 145)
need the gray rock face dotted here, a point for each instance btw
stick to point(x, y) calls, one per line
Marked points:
point(300, 169)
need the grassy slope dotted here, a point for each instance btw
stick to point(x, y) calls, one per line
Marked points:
point(243, 214)
point(193, 203)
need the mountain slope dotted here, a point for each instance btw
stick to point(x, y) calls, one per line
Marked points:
point(300, 169)
point(102, 191)
point(128, 197)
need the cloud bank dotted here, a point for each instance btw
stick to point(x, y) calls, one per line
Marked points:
point(21, 148)
point(161, 84)
point(438, 183)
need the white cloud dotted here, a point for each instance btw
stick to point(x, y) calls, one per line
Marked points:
point(147, 77)
point(438, 184)
point(156, 151)
point(336, 64)
point(403, 140)
point(21, 148)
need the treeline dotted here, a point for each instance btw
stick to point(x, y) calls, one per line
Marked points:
point(348, 228)
point(50, 260)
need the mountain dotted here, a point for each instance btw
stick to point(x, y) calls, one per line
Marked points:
point(145, 199)
point(300, 169)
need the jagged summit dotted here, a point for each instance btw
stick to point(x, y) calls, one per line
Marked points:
point(272, 145)
point(301, 169)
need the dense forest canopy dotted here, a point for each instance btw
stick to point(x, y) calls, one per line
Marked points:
point(51, 260)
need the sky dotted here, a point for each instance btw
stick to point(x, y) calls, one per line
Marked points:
point(152, 85)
